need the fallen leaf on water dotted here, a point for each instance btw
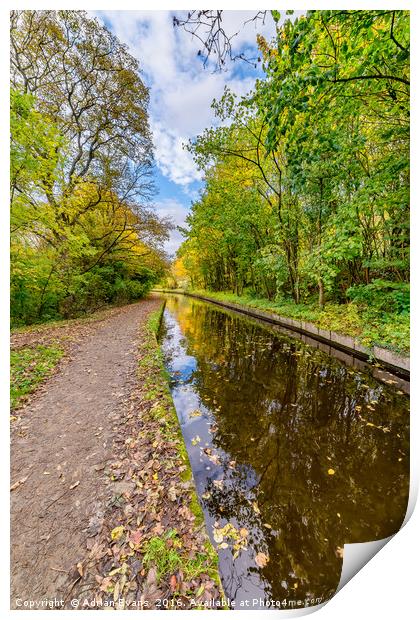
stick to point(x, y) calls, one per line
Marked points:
point(117, 532)
point(76, 484)
point(195, 440)
point(261, 559)
point(206, 495)
point(331, 471)
point(217, 535)
point(223, 545)
point(18, 483)
point(195, 414)
point(218, 484)
point(255, 507)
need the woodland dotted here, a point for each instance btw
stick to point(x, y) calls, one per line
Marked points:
point(305, 199)
point(83, 233)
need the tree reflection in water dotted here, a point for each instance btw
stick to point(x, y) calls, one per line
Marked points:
point(307, 454)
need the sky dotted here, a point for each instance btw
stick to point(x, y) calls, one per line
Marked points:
point(181, 92)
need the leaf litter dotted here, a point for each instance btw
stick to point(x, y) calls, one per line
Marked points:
point(150, 544)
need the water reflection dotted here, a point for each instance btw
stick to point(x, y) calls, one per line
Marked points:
point(297, 452)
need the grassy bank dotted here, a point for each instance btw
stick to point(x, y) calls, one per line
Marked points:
point(369, 326)
point(29, 367)
point(167, 551)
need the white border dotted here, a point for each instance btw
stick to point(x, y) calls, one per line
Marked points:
point(387, 586)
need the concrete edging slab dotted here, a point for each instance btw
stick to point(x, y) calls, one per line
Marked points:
point(392, 360)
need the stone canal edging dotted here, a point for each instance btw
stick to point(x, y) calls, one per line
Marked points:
point(389, 359)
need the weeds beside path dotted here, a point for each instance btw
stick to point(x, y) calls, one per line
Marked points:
point(97, 479)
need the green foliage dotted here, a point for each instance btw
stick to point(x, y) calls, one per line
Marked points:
point(383, 295)
point(368, 324)
point(28, 368)
point(307, 177)
point(170, 556)
point(82, 233)
point(166, 558)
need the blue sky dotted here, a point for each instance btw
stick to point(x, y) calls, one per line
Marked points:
point(181, 92)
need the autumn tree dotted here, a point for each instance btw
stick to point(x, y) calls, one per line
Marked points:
point(81, 168)
point(324, 141)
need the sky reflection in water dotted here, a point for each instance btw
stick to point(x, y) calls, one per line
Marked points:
point(297, 452)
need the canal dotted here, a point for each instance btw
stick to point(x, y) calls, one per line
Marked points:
point(294, 451)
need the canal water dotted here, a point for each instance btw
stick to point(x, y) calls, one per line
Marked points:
point(294, 452)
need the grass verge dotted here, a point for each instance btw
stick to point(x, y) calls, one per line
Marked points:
point(157, 382)
point(29, 367)
point(369, 326)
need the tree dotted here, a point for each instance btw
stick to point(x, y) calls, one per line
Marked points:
point(88, 84)
point(83, 230)
point(323, 142)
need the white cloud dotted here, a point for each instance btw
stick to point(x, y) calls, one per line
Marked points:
point(173, 160)
point(177, 212)
point(181, 89)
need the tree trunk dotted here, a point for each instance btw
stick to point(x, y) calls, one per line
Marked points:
point(321, 293)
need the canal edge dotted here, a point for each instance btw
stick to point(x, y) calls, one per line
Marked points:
point(153, 326)
point(399, 364)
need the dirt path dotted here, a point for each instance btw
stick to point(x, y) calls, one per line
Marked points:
point(62, 454)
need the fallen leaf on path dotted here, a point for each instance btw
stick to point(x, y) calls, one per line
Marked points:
point(172, 494)
point(76, 484)
point(136, 537)
point(117, 532)
point(173, 583)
